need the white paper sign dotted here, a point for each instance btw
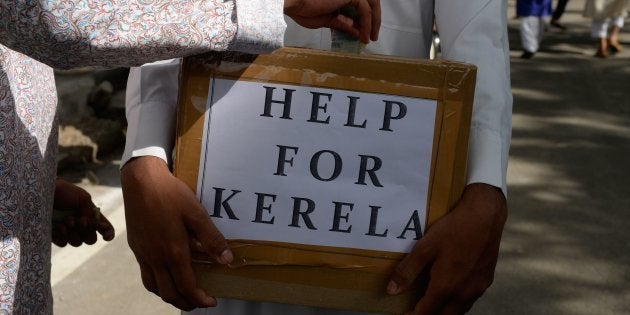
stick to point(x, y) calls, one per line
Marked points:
point(316, 166)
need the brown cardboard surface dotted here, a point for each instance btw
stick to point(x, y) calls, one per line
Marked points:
point(316, 275)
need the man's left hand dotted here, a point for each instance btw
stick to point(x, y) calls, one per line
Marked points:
point(458, 253)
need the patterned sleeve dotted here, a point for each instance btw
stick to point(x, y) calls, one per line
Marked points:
point(70, 33)
point(251, 16)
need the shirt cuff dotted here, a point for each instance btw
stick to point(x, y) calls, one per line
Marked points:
point(261, 26)
point(487, 158)
point(150, 132)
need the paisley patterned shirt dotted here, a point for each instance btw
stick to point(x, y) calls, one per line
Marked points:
point(70, 33)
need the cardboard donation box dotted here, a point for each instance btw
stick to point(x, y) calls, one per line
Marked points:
point(321, 169)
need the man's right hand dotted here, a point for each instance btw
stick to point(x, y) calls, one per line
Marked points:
point(162, 216)
point(326, 13)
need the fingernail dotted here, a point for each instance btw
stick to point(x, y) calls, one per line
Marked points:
point(393, 288)
point(226, 257)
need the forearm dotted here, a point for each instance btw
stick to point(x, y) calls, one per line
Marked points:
point(67, 33)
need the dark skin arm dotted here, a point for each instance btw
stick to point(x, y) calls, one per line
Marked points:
point(162, 216)
point(457, 256)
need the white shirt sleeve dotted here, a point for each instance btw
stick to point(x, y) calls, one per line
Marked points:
point(151, 109)
point(475, 31)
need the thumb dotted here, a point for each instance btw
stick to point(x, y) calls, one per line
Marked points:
point(212, 241)
point(105, 228)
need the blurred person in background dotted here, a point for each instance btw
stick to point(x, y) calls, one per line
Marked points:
point(557, 14)
point(533, 15)
point(608, 19)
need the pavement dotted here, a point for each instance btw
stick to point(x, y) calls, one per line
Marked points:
point(565, 247)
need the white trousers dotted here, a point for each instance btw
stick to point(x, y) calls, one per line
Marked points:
point(532, 30)
point(599, 28)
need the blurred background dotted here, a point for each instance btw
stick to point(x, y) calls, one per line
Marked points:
point(565, 248)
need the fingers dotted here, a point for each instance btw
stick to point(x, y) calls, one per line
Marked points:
point(105, 228)
point(80, 217)
point(447, 297)
point(146, 274)
point(408, 270)
point(369, 19)
point(175, 283)
point(434, 299)
point(463, 302)
point(71, 197)
point(452, 298)
point(461, 298)
point(316, 14)
point(72, 232)
point(77, 231)
point(376, 18)
point(87, 231)
point(364, 9)
point(59, 235)
point(167, 291)
point(212, 241)
point(186, 284)
point(198, 222)
point(345, 24)
point(457, 308)
point(469, 238)
point(368, 24)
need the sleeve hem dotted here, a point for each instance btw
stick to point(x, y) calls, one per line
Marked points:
point(486, 160)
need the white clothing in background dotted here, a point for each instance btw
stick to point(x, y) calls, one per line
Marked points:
point(532, 30)
point(603, 9)
point(605, 13)
point(599, 28)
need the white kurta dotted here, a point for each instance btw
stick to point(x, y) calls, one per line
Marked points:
point(606, 13)
point(606, 9)
point(472, 31)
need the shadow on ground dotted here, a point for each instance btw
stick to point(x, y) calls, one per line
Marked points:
point(565, 248)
